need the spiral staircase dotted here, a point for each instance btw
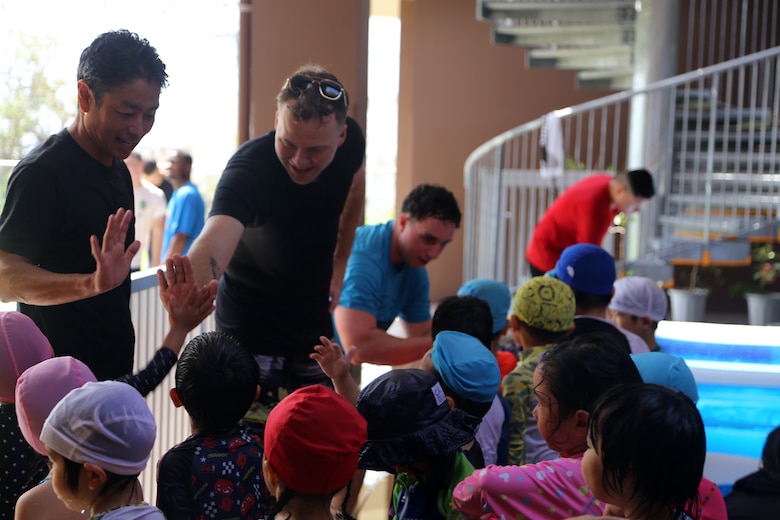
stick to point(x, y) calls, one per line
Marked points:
point(713, 140)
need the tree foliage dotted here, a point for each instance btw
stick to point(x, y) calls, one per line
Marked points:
point(32, 104)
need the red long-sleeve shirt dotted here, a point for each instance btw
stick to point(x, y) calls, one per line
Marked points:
point(582, 214)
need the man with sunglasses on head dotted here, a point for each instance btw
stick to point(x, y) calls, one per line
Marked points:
point(281, 228)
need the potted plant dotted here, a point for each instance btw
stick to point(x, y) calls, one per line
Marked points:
point(762, 301)
point(688, 304)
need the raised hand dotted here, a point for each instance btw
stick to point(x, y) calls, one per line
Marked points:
point(337, 365)
point(112, 258)
point(333, 362)
point(186, 303)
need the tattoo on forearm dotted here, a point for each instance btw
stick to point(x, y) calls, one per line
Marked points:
point(214, 268)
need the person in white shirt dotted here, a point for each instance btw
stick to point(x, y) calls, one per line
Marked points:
point(150, 203)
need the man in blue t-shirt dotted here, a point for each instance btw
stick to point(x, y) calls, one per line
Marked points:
point(386, 278)
point(186, 210)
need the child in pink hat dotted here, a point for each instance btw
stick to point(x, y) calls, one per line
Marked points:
point(22, 345)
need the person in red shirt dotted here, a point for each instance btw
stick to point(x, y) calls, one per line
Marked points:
point(583, 214)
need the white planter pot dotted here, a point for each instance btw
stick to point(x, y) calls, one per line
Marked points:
point(688, 304)
point(763, 309)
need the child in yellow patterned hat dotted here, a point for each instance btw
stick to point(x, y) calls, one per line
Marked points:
point(542, 314)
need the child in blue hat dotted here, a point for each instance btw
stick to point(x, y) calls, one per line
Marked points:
point(470, 377)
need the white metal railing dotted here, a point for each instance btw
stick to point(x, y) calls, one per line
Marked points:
point(151, 324)
point(710, 137)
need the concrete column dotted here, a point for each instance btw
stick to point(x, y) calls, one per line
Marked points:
point(655, 58)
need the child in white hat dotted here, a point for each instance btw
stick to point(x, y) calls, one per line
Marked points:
point(637, 305)
point(99, 438)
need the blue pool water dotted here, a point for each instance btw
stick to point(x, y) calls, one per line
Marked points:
point(737, 369)
point(737, 419)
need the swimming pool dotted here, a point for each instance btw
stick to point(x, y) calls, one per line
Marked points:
point(737, 371)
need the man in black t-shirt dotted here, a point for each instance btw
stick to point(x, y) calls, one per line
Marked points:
point(281, 228)
point(66, 233)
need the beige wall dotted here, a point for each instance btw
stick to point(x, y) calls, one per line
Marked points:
point(290, 33)
point(457, 91)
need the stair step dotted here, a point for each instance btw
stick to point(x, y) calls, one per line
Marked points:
point(722, 253)
point(732, 138)
point(690, 227)
point(733, 115)
point(615, 56)
point(693, 228)
point(737, 160)
point(730, 200)
point(732, 212)
point(621, 78)
point(593, 11)
point(564, 35)
point(735, 182)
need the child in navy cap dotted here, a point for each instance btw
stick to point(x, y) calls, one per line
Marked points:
point(414, 433)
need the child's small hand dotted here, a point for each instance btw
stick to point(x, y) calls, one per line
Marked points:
point(187, 305)
point(337, 367)
point(332, 361)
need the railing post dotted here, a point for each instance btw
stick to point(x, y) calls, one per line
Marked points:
point(714, 87)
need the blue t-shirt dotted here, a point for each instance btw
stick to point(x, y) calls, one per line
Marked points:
point(185, 214)
point(374, 285)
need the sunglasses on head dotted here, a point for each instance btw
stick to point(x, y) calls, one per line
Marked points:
point(329, 89)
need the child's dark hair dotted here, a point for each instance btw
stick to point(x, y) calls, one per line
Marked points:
point(430, 200)
point(216, 379)
point(114, 483)
point(580, 370)
point(467, 314)
point(632, 429)
point(546, 337)
point(770, 457)
point(591, 301)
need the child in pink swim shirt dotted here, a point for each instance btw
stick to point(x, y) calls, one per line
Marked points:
point(568, 380)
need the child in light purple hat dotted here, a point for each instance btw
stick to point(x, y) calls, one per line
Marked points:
point(637, 305)
point(99, 438)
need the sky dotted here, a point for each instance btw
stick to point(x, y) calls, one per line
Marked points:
point(196, 39)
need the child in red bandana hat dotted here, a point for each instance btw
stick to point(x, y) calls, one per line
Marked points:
point(312, 440)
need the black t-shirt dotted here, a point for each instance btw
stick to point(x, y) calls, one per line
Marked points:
point(274, 294)
point(58, 196)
